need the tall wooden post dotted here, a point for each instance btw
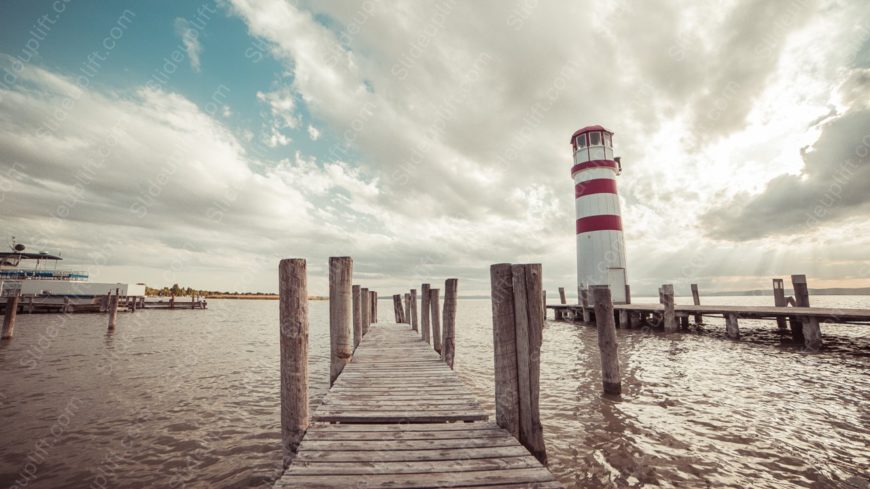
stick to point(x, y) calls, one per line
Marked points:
point(669, 315)
point(10, 312)
point(374, 317)
point(357, 315)
point(414, 315)
point(424, 312)
point(340, 314)
point(812, 333)
point(407, 309)
point(607, 343)
point(627, 294)
point(448, 346)
point(517, 336)
point(397, 308)
point(584, 300)
point(365, 309)
point(113, 309)
point(544, 301)
point(293, 316)
point(193, 301)
point(172, 301)
point(779, 301)
point(435, 307)
point(562, 298)
point(696, 299)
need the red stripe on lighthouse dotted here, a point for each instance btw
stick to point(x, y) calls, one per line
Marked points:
point(604, 222)
point(593, 164)
point(595, 186)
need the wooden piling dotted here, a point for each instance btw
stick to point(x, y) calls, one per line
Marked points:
point(10, 312)
point(779, 301)
point(340, 314)
point(67, 308)
point(30, 305)
point(669, 316)
point(113, 309)
point(607, 342)
point(627, 294)
point(732, 330)
point(397, 308)
point(374, 317)
point(293, 289)
point(801, 299)
point(623, 319)
point(365, 309)
point(435, 307)
point(811, 332)
point(696, 299)
point(414, 315)
point(407, 309)
point(517, 337)
point(584, 300)
point(424, 312)
point(172, 301)
point(544, 300)
point(357, 315)
point(448, 346)
point(562, 298)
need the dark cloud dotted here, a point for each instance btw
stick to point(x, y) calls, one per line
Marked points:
point(832, 186)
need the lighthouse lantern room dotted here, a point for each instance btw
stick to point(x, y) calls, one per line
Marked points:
point(600, 243)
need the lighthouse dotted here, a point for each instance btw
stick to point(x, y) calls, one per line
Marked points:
point(600, 244)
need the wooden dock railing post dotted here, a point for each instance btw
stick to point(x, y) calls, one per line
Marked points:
point(365, 310)
point(627, 294)
point(779, 301)
point(696, 299)
point(407, 309)
point(340, 314)
point(397, 308)
point(374, 316)
point(414, 315)
point(435, 306)
point(544, 301)
point(448, 346)
point(293, 317)
point(517, 337)
point(607, 342)
point(357, 315)
point(669, 316)
point(732, 329)
point(113, 309)
point(812, 333)
point(584, 300)
point(562, 298)
point(424, 313)
point(10, 312)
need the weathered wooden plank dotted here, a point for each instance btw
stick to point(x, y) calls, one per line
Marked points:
point(412, 467)
point(412, 455)
point(435, 479)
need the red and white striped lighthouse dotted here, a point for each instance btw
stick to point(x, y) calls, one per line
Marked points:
point(600, 244)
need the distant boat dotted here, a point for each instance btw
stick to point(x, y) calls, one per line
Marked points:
point(28, 274)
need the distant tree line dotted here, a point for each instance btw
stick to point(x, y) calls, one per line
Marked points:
point(177, 290)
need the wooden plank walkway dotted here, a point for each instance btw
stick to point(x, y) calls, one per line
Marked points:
point(399, 417)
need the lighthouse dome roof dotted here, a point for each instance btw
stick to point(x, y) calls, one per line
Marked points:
point(586, 129)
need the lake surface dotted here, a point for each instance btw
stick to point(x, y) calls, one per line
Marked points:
point(190, 399)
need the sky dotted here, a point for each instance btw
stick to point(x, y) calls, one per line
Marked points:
point(200, 142)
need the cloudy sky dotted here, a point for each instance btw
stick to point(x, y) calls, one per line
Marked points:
point(200, 142)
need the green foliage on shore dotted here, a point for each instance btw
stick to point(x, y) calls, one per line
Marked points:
point(179, 291)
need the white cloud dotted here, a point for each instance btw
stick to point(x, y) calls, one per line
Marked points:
point(190, 38)
point(313, 133)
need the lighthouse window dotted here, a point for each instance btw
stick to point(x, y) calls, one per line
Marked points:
point(607, 141)
point(594, 138)
point(581, 141)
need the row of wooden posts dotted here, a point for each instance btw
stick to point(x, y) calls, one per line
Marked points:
point(806, 330)
point(110, 300)
point(352, 309)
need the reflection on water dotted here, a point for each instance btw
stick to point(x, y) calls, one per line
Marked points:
point(190, 398)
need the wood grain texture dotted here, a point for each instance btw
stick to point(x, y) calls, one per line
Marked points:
point(607, 343)
point(435, 310)
point(414, 316)
point(425, 313)
point(669, 315)
point(357, 315)
point(504, 348)
point(448, 346)
point(340, 314)
point(293, 317)
point(365, 310)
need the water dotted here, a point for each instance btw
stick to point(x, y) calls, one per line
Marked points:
point(190, 399)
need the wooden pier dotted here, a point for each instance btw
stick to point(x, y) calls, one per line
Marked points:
point(77, 305)
point(396, 414)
